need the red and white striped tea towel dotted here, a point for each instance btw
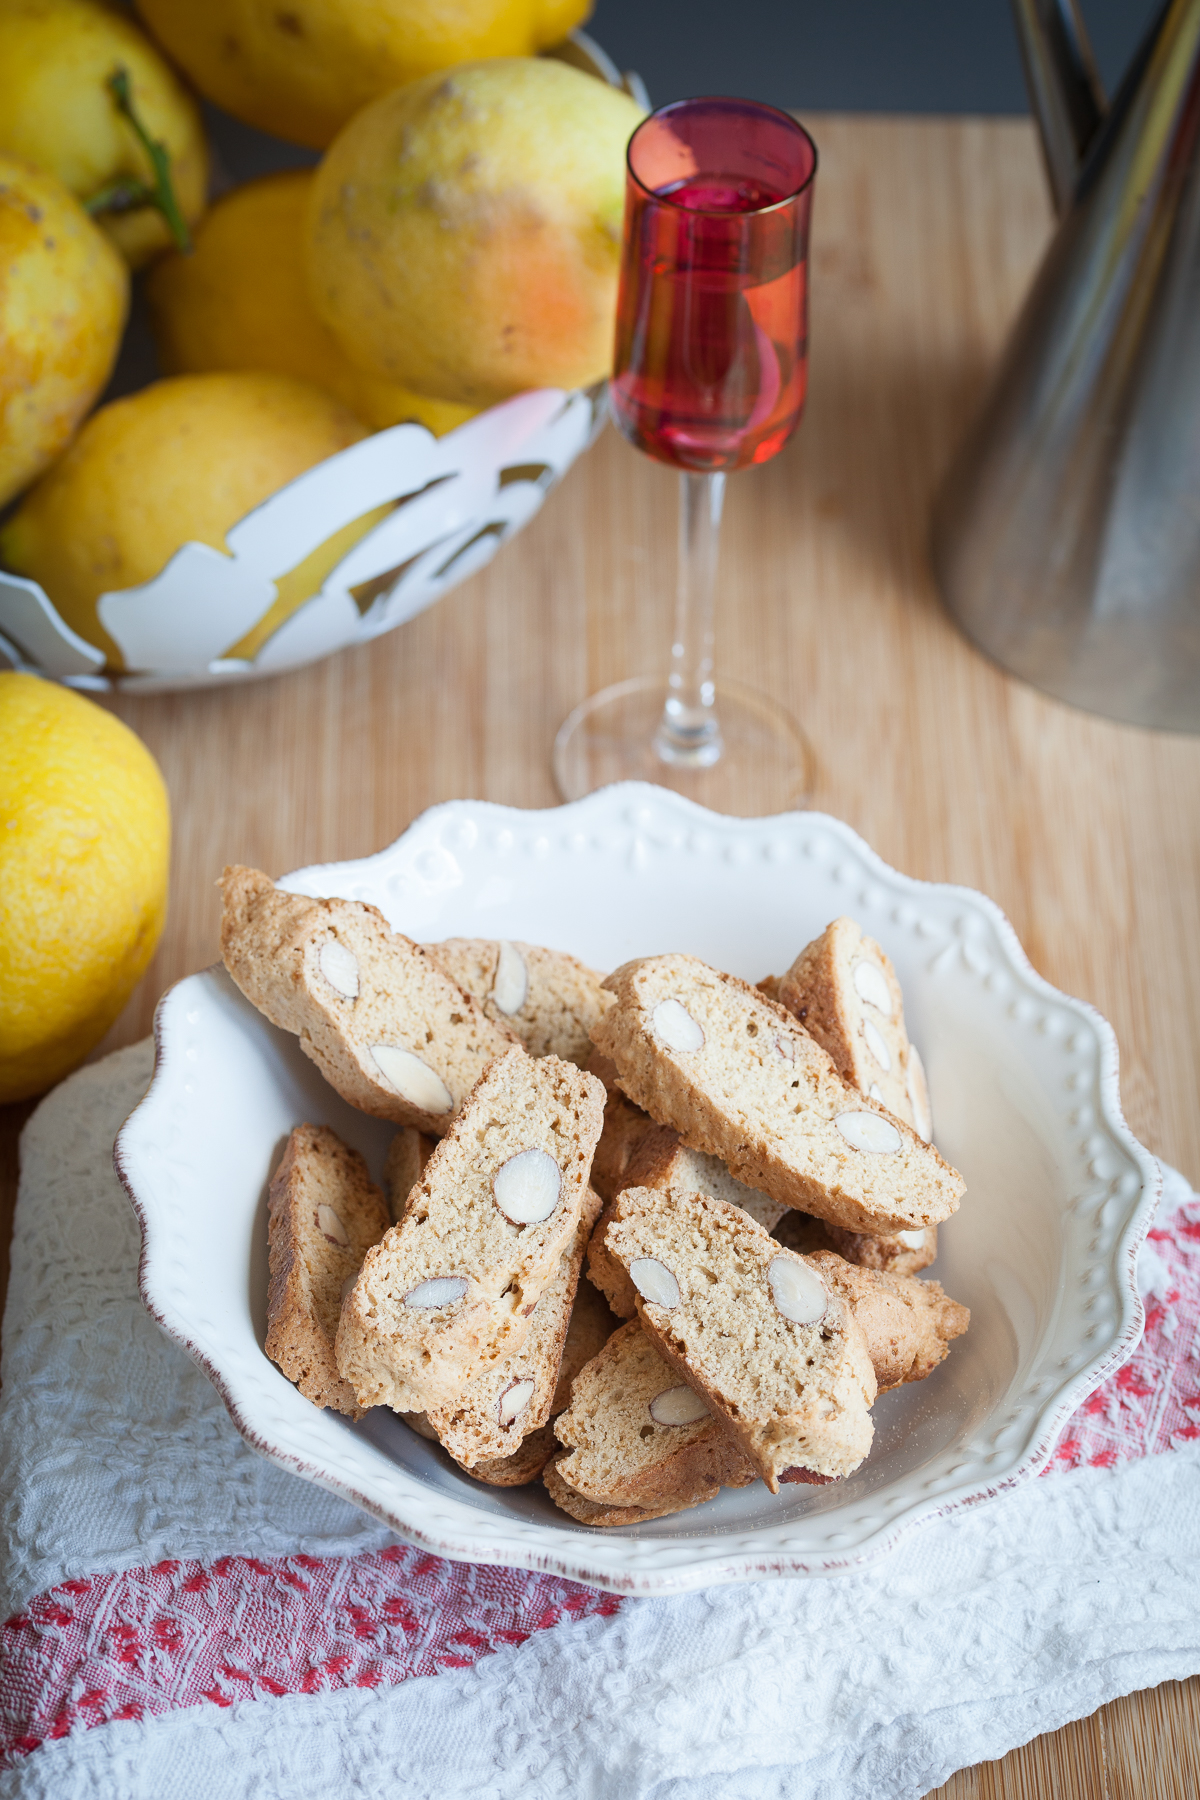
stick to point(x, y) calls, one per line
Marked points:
point(186, 1620)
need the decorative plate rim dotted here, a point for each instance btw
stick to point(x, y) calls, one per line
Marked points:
point(613, 1561)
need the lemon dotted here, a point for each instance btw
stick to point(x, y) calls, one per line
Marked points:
point(64, 292)
point(84, 841)
point(464, 233)
point(56, 110)
point(181, 461)
point(301, 68)
point(240, 301)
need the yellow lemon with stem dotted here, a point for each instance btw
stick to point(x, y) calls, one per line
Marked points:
point(60, 110)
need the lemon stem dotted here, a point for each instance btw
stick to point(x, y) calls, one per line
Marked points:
point(125, 193)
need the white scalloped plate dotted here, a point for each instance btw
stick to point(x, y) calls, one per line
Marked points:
point(1024, 1084)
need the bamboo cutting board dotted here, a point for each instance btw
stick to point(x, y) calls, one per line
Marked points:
point(1086, 832)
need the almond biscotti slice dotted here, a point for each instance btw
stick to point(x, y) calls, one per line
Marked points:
point(548, 999)
point(738, 1077)
point(450, 1291)
point(753, 1329)
point(383, 1023)
point(407, 1155)
point(492, 1414)
point(908, 1324)
point(592, 1324)
point(638, 1437)
point(662, 1160)
point(844, 991)
point(323, 1214)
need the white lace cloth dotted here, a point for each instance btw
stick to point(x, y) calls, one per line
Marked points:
point(978, 1633)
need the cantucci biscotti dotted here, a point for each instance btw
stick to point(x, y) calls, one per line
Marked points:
point(772, 1349)
point(548, 999)
point(592, 1324)
point(491, 1415)
point(661, 1160)
point(450, 1291)
point(908, 1324)
point(637, 1437)
point(843, 989)
point(385, 1025)
point(737, 1076)
point(323, 1214)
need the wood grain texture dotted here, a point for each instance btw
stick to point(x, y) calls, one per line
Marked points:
point(1086, 832)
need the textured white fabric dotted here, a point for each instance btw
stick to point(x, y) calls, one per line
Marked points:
point(976, 1634)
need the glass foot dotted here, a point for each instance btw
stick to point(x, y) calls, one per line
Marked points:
point(766, 763)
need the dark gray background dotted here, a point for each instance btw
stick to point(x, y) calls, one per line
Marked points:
point(853, 55)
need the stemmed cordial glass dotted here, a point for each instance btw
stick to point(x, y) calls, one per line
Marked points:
point(709, 376)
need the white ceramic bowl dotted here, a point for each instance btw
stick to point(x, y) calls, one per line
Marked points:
point(1024, 1084)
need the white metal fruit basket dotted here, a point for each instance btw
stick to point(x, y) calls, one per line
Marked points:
point(452, 502)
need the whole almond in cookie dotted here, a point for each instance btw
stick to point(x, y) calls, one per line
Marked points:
point(771, 1347)
point(452, 1289)
point(759, 1093)
point(386, 1026)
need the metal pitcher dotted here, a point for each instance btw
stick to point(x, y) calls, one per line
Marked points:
point(1066, 538)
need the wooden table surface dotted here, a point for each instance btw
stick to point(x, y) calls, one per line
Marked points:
point(1087, 833)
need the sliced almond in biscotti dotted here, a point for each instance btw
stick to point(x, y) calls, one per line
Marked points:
point(549, 999)
point(637, 1436)
point(753, 1329)
point(491, 1415)
point(661, 1160)
point(450, 1291)
point(908, 1324)
point(738, 1077)
point(843, 989)
point(323, 1214)
point(407, 1155)
point(384, 1024)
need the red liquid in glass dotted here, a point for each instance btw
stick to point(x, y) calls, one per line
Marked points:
point(710, 367)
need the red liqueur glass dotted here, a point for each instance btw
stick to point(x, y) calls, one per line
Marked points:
point(709, 376)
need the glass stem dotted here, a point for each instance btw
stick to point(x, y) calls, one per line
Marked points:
point(688, 735)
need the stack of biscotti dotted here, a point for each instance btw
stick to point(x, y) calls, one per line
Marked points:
point(740, 1322)
point(771, 1347)
point(641, 1445)
point(548, 999)
point(739, 1078)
